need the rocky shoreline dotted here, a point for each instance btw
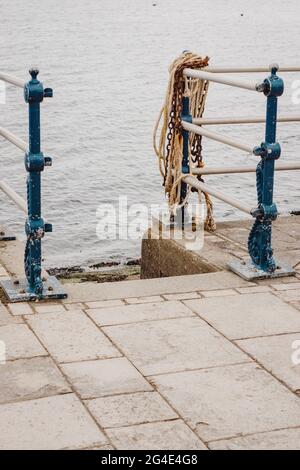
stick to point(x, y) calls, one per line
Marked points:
point(105, 271)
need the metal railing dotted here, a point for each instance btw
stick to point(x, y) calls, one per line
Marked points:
point(34, 285)
point(262, 263)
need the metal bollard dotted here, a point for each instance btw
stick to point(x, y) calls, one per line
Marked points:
point(34, 286)
point(260, 238)
point(260, 248)
point(35, 226)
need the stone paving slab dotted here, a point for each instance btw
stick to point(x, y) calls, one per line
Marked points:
point(172, 435)
point(173, 345)
point(26, 379)
point(219, 293)
point(12, 257)
point(144, 300)
point(57, 422)
point(296, 305)
point(49, 308)
point(254, 290)
point(286, 439)
point(283, 286)
point(104, 304)
point(71, 336)
point(225, 402)
point(184, 296)
point(130, 409)
point(106, 447)
point(289, 257)
point(282, 240)
point(20, 342)
point(276, 354)
point(6, 318)
point(20, 309)
point(248, 315)
point(139, 313)
point(99, 378)
point(91, 291)
point(292, 295)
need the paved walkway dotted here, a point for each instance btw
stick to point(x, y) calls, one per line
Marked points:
point(191, 362)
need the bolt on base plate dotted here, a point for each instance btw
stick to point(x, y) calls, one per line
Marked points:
point(16, 291)
point(248, 271)
point(6, 236)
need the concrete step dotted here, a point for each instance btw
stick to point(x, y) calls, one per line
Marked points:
point(90, 291)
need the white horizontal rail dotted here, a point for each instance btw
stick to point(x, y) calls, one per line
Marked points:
point(232, 81)
point(248, 69)
point(242, 169)
point(192, 181)
point(13, 139)
point(12, 80)
point(18, 200)
point(218, 137)
point(241, 120)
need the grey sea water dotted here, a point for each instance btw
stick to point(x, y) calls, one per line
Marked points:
point(107, 61)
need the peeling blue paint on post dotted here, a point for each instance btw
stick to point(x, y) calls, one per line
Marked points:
point(35, 226)
point(34, 287)
point(260, 238)
point(185, 167)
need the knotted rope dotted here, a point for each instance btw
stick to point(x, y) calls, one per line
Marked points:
point(168, 145)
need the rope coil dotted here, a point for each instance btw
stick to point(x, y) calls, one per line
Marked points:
point(167, 137)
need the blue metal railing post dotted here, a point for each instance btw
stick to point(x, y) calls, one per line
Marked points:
point(35, 162)
point(260, 238)
point(185, 167)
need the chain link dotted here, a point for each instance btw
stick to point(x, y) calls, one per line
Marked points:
point(174, 124)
